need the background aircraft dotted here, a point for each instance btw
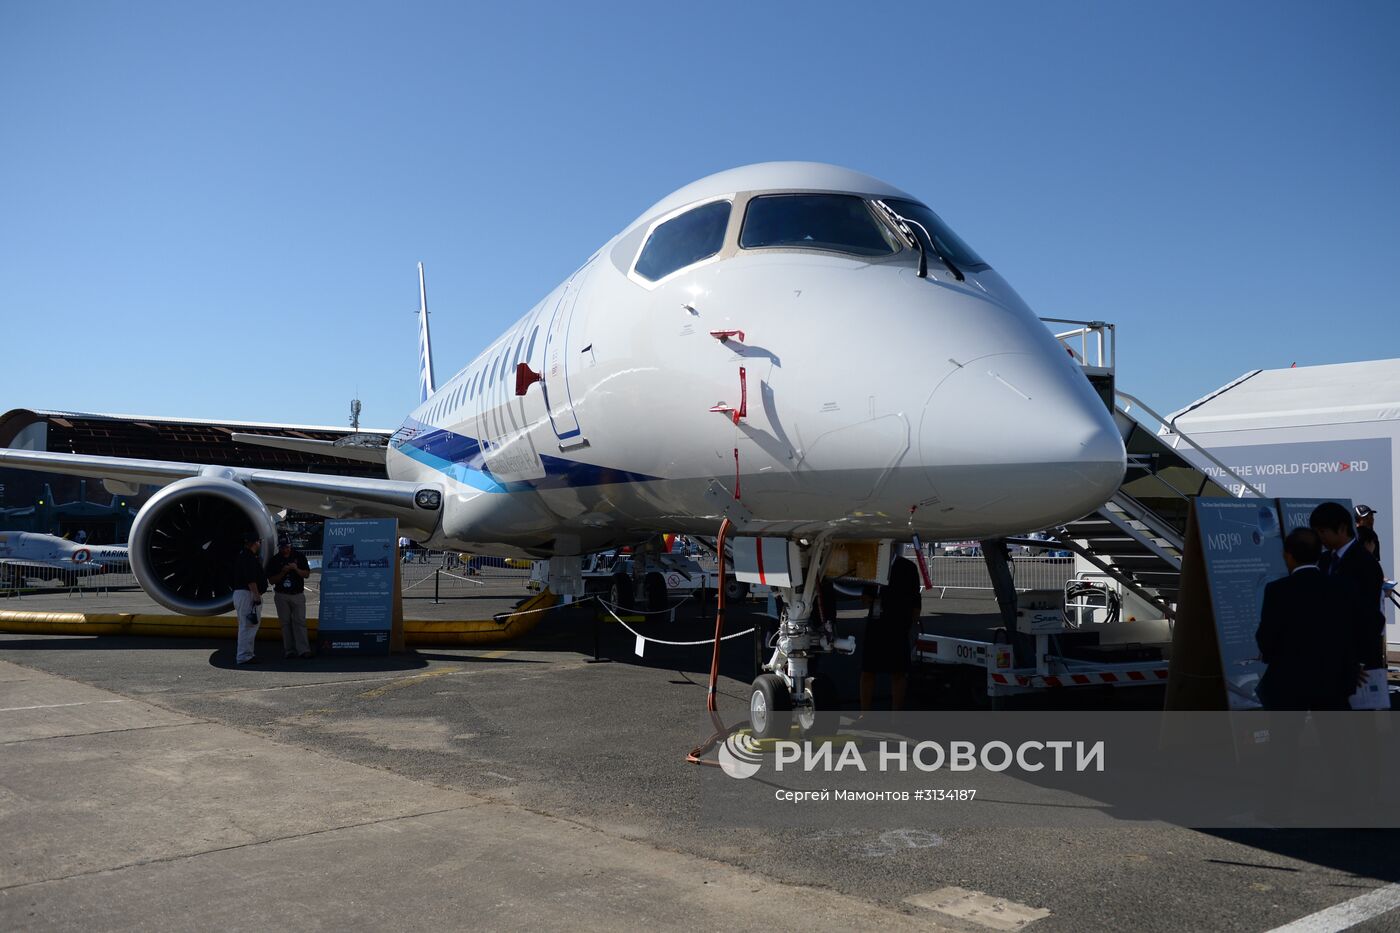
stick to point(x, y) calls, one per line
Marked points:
point(27, 556)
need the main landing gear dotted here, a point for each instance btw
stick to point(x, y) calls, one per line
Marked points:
point(790, 689)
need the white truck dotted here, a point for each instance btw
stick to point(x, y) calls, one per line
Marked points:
point(619, 579)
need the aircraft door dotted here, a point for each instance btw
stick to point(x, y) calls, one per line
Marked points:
point(558, 359)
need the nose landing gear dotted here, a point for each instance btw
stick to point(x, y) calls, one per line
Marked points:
point(790, 686)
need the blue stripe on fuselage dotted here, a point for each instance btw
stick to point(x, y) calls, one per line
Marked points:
point(463, 459)
point(477, 479)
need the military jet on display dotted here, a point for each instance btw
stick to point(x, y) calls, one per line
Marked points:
point(803, 354)
point(26, 556)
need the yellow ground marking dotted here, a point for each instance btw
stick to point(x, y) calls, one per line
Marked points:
point(405, 682)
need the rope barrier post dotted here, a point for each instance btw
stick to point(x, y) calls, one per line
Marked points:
point(597, 639)
point(757, 651)
point(437, 574)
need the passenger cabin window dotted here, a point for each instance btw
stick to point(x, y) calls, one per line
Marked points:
point(949, 243)
point(842, 223)
point(681, 241)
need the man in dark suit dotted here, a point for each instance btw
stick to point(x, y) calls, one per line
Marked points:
point(1306, 642)
point(1349, 563)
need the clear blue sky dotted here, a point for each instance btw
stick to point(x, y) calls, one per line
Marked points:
point(214, 210)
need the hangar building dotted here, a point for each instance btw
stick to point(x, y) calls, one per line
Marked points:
point(1310, 432)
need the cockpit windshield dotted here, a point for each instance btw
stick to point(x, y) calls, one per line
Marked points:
point(949, 243)
point(839, 222)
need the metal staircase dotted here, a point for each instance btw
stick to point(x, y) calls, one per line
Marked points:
point(1138, 535)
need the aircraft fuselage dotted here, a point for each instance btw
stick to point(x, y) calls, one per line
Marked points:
point(854, 396)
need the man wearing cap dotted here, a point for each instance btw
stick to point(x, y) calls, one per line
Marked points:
point(1366, 518)
point(287, 571)
point(249, 583)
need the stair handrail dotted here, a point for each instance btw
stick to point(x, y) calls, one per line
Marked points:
point(1106, 351)
point(1133, 400)
point(1142, 512)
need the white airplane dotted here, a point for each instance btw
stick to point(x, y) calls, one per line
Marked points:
point(28, 556)
point(798, 348)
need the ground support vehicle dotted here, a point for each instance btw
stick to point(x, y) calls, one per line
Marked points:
point(1070, 638)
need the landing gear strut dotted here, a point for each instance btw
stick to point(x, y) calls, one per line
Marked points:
point(790, 686)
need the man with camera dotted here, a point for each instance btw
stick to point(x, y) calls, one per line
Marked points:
point(287, 571)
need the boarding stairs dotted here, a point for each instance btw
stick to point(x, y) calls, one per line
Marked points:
point(1137, 537)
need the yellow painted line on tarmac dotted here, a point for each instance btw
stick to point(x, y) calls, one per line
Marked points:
point(494, 654)
point(405, 682)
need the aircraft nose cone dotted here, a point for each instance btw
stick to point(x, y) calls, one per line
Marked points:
point(1016, 442)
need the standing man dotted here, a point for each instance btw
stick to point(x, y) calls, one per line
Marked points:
point(1310, 652)
point(287, 571)
point(1366, 518)
point(887, 648)
point(249, 585)
point(1360, 573)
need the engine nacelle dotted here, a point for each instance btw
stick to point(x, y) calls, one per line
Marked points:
point(185, 538)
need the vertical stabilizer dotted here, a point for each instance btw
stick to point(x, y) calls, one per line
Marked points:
point(427, 382)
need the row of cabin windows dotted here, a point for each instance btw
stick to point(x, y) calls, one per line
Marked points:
point(843, 223)
point(472, 386)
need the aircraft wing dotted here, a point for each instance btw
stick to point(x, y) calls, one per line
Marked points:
point(330, 496)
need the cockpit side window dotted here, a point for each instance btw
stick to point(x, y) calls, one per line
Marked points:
point(949, 243)
point(839, 222)
point(683, 240)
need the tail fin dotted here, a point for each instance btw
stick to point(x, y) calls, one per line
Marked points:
point(427, 382)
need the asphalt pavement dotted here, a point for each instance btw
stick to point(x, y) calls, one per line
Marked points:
point(528, 785)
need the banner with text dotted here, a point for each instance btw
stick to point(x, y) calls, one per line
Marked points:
point(357, 586)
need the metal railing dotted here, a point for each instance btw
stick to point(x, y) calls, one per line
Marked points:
point(970, 573)
point(1097, 342)
point(21, 578)
point(425, 573)
point(438, 575)
point(1174, 437)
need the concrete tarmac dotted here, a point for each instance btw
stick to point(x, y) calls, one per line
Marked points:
point(154, 785)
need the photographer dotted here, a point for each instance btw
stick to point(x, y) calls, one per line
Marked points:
point(249, 583)
point(287, 571)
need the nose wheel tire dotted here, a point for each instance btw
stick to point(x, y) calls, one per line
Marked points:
point(770, 707)
point(818, 716)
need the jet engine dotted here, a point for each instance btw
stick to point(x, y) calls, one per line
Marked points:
point(186, 536)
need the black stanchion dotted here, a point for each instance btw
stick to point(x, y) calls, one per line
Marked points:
point(597, 639)
point(757, 651)
point(437, 576)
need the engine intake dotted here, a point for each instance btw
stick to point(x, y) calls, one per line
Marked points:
point(185, 538)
